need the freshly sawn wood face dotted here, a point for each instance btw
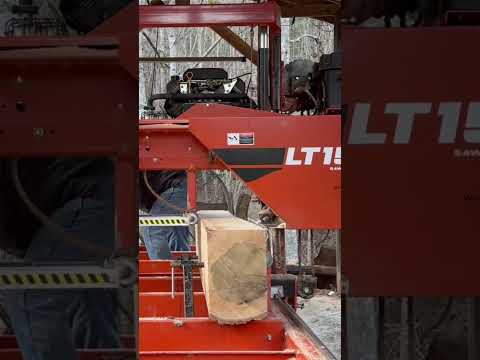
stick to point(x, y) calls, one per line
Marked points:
point(234, 275)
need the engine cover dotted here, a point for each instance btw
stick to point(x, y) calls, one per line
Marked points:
point(205, 85)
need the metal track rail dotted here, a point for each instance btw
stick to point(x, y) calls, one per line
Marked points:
point(297, 321)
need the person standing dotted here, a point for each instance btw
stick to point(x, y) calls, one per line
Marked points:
point(171, 186)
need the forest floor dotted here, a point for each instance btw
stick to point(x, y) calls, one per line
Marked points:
point(322, 313)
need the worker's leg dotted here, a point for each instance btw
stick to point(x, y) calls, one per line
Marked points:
point(94, 319)
point(175, 236)
point(41, 324)
point(156, 243)
point(47, 322)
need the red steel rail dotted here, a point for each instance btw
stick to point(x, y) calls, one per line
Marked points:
point(263, 14)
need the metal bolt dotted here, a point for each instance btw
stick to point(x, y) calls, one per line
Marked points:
point(155, 160)
point(120, 107)
point(38, 132)
point(19, 80)
point(269, 337)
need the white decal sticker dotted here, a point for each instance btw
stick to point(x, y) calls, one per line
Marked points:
point(240, 139)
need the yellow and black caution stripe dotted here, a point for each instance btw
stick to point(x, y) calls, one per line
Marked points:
point(63, 277)
point(163, 221)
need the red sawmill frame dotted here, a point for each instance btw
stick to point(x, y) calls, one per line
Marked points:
point(197, 140)
point(76, 97)
point(53, 103)
point(262, 14)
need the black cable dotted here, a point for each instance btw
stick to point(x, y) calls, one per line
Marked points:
point(159, 197)
point(71, 239)
point(239, 76)
point(6, 320)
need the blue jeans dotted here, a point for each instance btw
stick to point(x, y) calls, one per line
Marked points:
point(159, 241)
point(50, 324)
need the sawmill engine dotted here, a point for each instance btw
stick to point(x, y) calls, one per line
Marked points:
point(203, 85)
point(300, 90)
point(313, 87)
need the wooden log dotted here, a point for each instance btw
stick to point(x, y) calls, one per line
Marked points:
point(234, 275)
point(319, 270)
point(211, 206)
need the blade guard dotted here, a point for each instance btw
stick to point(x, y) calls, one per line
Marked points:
point(292, 163)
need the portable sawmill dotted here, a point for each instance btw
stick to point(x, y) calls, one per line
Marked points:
point(53, 105)
point(230, 295)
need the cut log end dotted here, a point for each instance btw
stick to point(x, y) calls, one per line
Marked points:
point(234, 275)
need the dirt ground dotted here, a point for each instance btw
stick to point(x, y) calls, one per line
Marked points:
point(322, 313)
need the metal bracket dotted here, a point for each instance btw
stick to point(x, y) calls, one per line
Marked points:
point(277, 291)
point(187, 263)
point(229, 86)
point(306, 286)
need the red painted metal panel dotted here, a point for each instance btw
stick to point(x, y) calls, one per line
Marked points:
point(69, 119)
point(189, 152)
point(62, 85)
point(208, 335)
point(73, 121)
point(142, 248)
point(408, 205)
point(179, 254)
point(159, 267)
point(21, 51)
point(219, 355)
point(14, 354)
point(305, 191)
point(124, 26)
point(164, 284)
point(310, 184)
point(264, 14)
point(163, 305)
point(143, 255)
point(9, 342)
